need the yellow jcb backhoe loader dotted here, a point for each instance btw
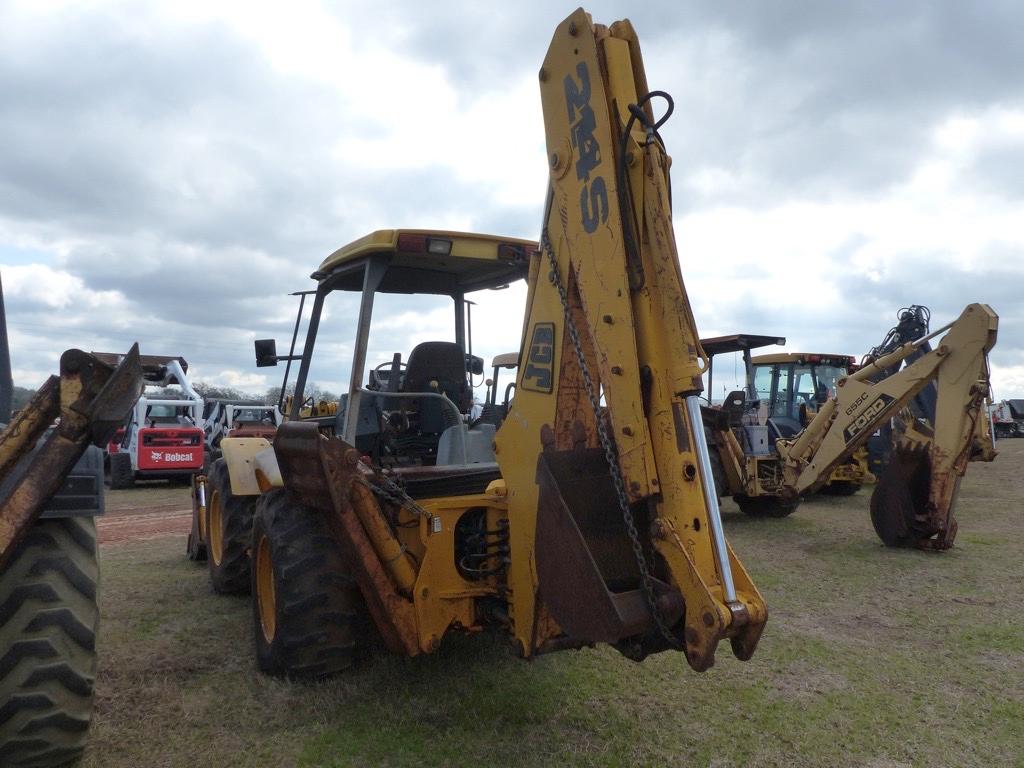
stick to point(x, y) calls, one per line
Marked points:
point(48, 566)
point(590, 516)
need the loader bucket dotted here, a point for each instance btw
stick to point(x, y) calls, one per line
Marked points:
point(588, 574)
point(92, 400)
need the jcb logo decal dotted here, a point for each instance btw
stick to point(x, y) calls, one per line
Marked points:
point(867, 417)
point(582, 124)
point(538, 375)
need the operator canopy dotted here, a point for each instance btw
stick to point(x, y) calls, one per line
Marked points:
point(429, 261)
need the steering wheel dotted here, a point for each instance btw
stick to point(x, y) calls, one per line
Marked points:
point(383, 381)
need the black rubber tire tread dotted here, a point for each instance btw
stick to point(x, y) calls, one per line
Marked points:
point(195, 548)
point(717, 470)
point(48, 623)
point(231, 575)
point(121, 474)
point(840, 488)
point(766, 506)
point(322, 621)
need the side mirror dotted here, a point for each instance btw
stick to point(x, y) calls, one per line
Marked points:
point(266, 353)
point(474, 365)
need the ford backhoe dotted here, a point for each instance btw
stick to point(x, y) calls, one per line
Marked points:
point(590, 516)
point(803, 418)
point(912, 504)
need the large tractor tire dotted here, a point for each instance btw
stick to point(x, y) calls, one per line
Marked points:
point(229, 531)
point(717, 471)
point(48, 622)
point(121, 473)
point(309, 615)
point(766, 506)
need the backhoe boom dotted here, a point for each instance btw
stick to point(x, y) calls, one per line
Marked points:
point(607, 390)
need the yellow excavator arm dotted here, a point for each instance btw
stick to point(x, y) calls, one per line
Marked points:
point(628, 546)
point(913, 504)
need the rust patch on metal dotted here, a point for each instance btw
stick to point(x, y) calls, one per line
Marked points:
point(681, 427)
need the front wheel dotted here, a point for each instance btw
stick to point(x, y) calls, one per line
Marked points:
point(48, 621)
point(308, 613)
point(195, 548)
point(228, 530)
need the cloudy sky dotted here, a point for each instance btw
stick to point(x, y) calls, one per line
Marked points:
point(169, 172)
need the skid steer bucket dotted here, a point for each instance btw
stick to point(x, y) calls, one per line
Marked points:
point(587, 571)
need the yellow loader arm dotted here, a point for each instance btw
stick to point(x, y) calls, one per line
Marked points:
point(628, 547)
point(913, 502)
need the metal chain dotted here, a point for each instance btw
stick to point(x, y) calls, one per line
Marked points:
point(391, 492)
point(610, 452)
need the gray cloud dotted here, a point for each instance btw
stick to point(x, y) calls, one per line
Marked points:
point(175, 165)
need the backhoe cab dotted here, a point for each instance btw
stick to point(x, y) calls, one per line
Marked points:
point(590, 515)
point(792, 386)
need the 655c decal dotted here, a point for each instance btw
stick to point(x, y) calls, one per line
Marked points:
point(867, 417)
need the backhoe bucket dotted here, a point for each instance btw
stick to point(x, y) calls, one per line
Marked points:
point(900, 510)
point(588, 576)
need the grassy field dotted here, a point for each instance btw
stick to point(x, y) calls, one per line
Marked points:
point(871, 657)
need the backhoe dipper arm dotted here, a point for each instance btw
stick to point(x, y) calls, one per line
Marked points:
point(628, 546)
point(958, 366)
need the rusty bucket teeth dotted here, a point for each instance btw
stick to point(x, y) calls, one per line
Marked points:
point(900, 499)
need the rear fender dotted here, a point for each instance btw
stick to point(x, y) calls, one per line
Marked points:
point(250, 459)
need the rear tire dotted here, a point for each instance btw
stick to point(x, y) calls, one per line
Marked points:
point(229, 533)
point(766, 506)
point(717, 470)
point(309, 616)
point(121, 473)
point(48, 622)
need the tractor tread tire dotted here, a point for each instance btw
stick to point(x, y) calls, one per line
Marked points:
point(766, 506)
point(48, 622)
point(121, 474)
point(321, 618)
point(231, 575)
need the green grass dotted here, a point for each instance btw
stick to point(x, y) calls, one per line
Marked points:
point(871, 657)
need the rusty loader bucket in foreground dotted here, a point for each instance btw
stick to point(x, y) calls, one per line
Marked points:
point(91, 399)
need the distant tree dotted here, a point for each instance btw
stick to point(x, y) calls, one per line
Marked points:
point(312, 390)
point(212, 391)
point(21, 397)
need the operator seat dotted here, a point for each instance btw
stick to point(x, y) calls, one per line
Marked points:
point(445, 363)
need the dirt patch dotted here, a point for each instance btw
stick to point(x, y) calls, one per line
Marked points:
point(142, 526)
point(145, 513)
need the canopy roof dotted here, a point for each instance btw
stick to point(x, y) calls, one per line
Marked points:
point(429, 261)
